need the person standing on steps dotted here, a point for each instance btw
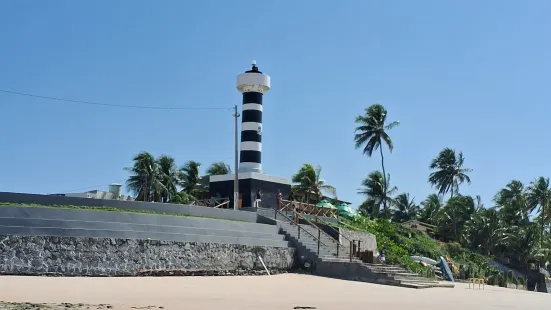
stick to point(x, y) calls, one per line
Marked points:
point(382, 256)
point(257, 198)
point(279, 196)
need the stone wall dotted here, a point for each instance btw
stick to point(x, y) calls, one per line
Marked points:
point(368, 241)
point(72, 256)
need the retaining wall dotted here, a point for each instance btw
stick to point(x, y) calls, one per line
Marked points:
point(22, 198)
point(73, 256)
point(368, 241)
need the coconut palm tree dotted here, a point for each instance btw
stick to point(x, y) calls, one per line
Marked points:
point(405, 209)
point(308, 180)
point(377, 191)
point(144, 180)
point(512, 204)
point(190, 177)
point(455, 214)
point(486, 231)
point(449, 174)
point(430, 210)
point(538, 197)
point(371, 132)
point(169, 176)
point(219, 168)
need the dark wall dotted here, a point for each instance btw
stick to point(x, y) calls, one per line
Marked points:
point(225, 189)
point(21, 198)
point(248, 188)
point(269, 192)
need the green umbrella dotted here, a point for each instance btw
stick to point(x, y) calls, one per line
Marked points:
point(325, 204)
point(346, 210)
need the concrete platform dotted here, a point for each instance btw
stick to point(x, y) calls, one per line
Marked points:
point(218, 230)
point(108, 224)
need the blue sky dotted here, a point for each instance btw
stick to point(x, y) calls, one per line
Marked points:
point(470, 75)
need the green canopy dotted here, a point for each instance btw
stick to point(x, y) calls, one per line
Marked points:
point(346, 210)
point(325, 204)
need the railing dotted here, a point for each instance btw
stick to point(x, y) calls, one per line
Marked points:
point(352, 242)
point(286, 205)
point(295, 222)
point(305, 208)
point(216, 202)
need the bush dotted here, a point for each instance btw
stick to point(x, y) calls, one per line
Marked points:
point(401, 243)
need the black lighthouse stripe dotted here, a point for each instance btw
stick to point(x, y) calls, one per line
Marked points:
point(252, 116)
point(250, 157)
point(250, 135)
point(252, 97)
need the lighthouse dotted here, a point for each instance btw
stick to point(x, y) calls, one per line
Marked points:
point(253, 85)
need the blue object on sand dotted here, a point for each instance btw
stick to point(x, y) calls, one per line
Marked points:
point(446, 269)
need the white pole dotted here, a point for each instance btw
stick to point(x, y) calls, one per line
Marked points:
point(268, 272)
point(236, 163)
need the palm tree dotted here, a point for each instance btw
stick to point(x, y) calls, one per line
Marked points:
point(431, 209)
point(377, 189)
point(219, 168)
point(169, 176)
point(190, 177)
point(370, 134)
point(485, 231)
point(512, 204)
point(308, 180)
point(144, 179)
point(405, 209)
point(539, 195)
point(449, 174)
point(456, 213)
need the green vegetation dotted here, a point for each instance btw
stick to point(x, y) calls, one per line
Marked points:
point(160, 179)
point(516, 230)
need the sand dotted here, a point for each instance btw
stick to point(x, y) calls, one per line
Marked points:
point(261, 292)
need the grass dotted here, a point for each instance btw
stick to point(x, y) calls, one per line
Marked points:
point(108, 209)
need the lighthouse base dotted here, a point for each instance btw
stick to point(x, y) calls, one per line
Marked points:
point(249, 183)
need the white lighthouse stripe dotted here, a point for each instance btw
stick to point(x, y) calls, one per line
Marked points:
point(252, 106)
point(251, 146)
point(250, 167)
point(251, 126)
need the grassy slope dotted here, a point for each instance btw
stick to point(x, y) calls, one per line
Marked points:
point(401, 243)
point(109, 209)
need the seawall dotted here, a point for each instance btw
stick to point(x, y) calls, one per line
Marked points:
point(81, 256)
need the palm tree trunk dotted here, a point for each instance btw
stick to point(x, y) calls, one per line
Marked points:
point(384, 181)
point(542, 224)
point(454, 219)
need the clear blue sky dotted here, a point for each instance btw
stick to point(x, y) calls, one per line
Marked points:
point(471, 75)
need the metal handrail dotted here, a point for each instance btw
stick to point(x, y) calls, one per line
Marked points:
point(352, 243)
point(333, 228)
point(298, 225)
point(319, 229)
point(339, 244)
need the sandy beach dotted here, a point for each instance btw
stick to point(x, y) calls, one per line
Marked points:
point(261, 292)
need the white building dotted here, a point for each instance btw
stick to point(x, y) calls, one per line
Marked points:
point(114, 192)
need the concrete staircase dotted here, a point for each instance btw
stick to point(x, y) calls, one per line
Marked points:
point(328, 263)
point(307, 240)
point(375, 273)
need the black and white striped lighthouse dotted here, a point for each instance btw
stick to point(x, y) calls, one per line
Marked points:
point(253, 85)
